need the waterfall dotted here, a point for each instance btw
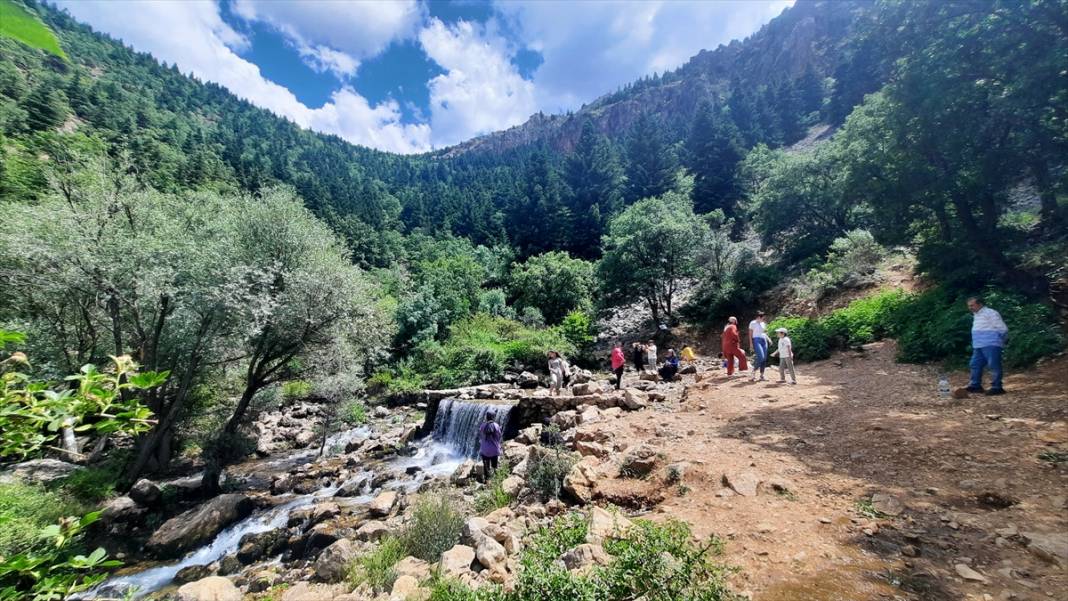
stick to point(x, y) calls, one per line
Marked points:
point(456, 423)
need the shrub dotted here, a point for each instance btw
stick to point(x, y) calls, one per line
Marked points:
point(296, 389)
point(354, 412)
point(532, 317)
point(579, 329)
point(554, 283)
point(810, 339)
point(493, 495)
point(493, 302)
point(864, 320)
point(375, 568)
point(94, 484)
point(25, 510)
point(434, 527)
point(547, 470)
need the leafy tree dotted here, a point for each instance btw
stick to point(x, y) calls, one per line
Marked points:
point(444, 290)
point(713, 155)
point(649, 250)
point(651, 161)
point(554, 283)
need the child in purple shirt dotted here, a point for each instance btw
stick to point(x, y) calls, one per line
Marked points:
point(489, 438)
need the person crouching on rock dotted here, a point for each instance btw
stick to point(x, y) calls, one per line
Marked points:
point(670, 366)
point(618, 363)
point(489, 438)
point(556, 373)
point(732, 347)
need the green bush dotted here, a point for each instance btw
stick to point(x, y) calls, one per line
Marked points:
point(354, 412)
point(94, 484)
point(296, 389)
point(810, 339)
point(865, 320)
point(547, 470)
point(579, 329)
point(553, 283)
point(375, 568)
point(433, 528)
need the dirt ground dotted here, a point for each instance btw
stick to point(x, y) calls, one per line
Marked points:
point(975, 477)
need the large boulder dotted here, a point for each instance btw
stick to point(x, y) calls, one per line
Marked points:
point(383, 505)
point(605, 525)
point(333, 563)
point(581, 482)
point(490, 553)
point(586, 388)
point(414, 567)
point(40, 471)
point(406, 588)
point(639, 462)
point(527, 380)
point(457, 561)
point(635, 399)
point(120, 513)
point(372, 531)
point(146, 492)
point(306, 591)
point(1050, 546)
point(254, 546)
point(212, 588)
point(198, 526)
point(584, 557)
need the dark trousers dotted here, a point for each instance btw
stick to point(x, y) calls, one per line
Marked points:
point(619, 376)
point(986, 357)
point(489, 466)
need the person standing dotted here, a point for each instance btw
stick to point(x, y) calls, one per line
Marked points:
point(732, 347)
point(650, 355)
point(988, 339)
point(489, 445)
point(786, 356)
point(758, 345)
point(618, 363)
point(638, 356)
point(556, 373)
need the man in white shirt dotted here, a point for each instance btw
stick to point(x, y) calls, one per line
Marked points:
point(988, 339)
point(758, 345)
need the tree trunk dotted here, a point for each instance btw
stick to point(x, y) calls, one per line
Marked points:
point(210, 484)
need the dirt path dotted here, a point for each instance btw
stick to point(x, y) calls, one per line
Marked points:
point(967, 472)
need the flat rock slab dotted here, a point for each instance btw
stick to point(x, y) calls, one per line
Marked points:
point(888, 504)
point(745, 483)
point(198, 526)
point(1052, 547)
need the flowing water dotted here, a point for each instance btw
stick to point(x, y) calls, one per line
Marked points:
point(454, 441)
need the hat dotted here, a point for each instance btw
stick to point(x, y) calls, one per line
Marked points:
point(783, 330)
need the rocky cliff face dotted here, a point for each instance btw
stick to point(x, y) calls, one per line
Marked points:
point(808, 34)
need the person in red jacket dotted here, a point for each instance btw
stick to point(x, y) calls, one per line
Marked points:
point(732, 348)
point(619, 361)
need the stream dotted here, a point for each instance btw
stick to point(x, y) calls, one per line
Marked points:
point(454, 440)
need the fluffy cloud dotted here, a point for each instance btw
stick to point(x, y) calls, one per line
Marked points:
point(591, 48)
point(481, 90)
point(336, 35)
point(194, 36)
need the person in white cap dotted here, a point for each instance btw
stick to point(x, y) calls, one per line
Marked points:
point(786, 356)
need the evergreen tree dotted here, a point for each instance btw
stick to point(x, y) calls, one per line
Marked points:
point(46, 106)
point(768, 117)
point(595, 177)
point(714, 151)
point(789, 106)
point(651, 162)
point(810, 91)
point(540, 220)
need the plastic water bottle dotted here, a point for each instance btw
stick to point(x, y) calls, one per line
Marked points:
point(943, 386)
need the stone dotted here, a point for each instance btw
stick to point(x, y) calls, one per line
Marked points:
point(310, 516)
point(527, 380)
point(121, 510)
point(586, 389)
point(590, 448)
point(212, 588)
point(414, 567)
point(406, 588)
point(634, 399)
point(408, 434)
point(649, 377)
point(512, 485)
point(333, 563)
point(1051, 547)
point(192, 574)
point(457, 561)
point(960, 393)
point(530, 435)
point(462, 474)
point(584, 557)
point(198, 526)
point(146, 493)
point(581, 482)
point(262, 580)
point(968, 573)
point(591, 414)
point(306, 591)
point(40, 471)
point(383, 504)
point(745, 483)
point(565, 420)
point(372, 531)
point(490, 553)
point(605, 525)
point(888, 504)
point(257, 545)
point(581, 376)
point(688, 370)
point(639, 462)
point(472, 528)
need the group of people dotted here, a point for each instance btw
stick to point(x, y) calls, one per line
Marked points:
point(759, 344)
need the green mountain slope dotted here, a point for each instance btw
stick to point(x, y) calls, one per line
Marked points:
point(19, 24)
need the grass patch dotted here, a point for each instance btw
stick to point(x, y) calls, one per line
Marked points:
point(25, 510)
point(1054, 456)
point(376, 567)
point(296, 389)
point(19, 24)
point(434, 527)
point(866, 509)
point(493, 496)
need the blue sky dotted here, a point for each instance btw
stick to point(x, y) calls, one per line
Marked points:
point(413, 75)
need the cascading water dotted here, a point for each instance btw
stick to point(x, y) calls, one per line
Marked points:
point(456, 423)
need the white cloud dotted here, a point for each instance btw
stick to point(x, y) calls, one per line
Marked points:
point(336, 35)
point(481, 90)
point(192, 35)
point(593, 47)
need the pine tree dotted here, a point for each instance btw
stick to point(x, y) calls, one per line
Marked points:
point(595, 177)
point(714, 151)
point(46, 106)
point(810, 91)
point(539, 218)
point(788, 106)
point(651, 163)
point(768, 118)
